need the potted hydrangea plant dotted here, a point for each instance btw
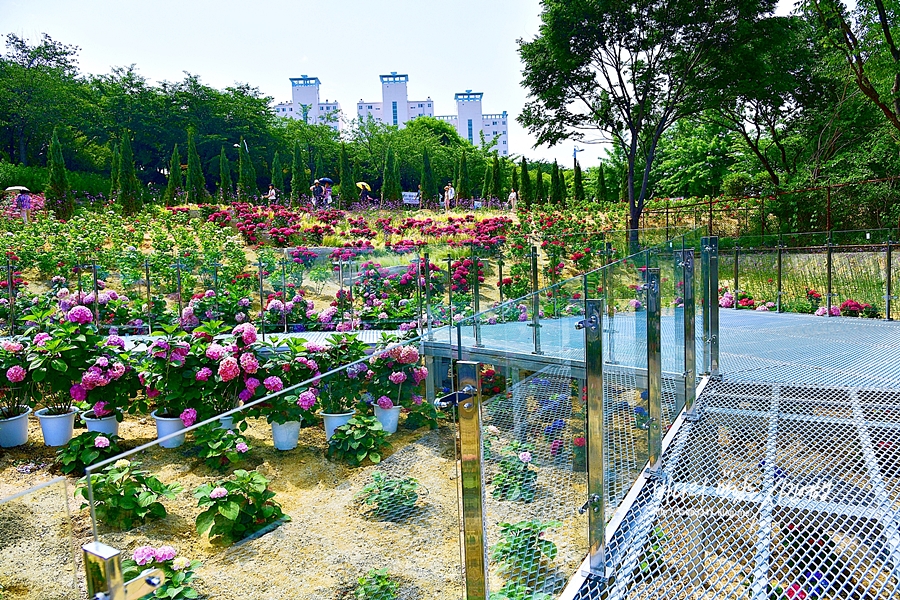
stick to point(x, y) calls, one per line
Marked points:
point(15, 397)
point(395, 383)
point(106, 386)
point(339, 393)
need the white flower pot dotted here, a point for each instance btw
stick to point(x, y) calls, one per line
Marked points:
point(107, 425)
point(226, 422)
point(388, 417)
point(333, 421)
point(14, 431)
point(166, 426)
point(57, 429)
point(285, 435)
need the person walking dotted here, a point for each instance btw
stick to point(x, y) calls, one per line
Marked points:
point(317, 192)
point(23, 203)
point(449, 196)
point(512, 200)
point(271, 196)
point(326, 195)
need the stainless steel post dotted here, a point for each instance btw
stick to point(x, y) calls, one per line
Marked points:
point(262, 302)
point(500, 278)
point(450, 291)
point(96, 293)
point(104, 577)
point(654, 369)
point(476, 300)
point(535, 302)
point(594, 433)
point(149, 298)
point(11, 296)
point(829, 250)
point(284, 294)
point(713, 295)
point(690, 343)
point(887, 297)
point(779, 263)
point(471, 485)
point(705, 299)
point(427, 284)
point(737, 272)
point(419, 294)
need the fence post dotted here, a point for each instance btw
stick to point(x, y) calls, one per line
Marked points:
point(828, 265)
point(96, 293)
point(471, 485)
point(500, 278)
point(887, 297)
point(284, 297)
point(654, 369)
point(535, 302)
point(476, 302)
point(450, 290)
point(262, 305)
point(704, 300)
point(737, 272)
point(594, 432)
point(690, 343)
point(713, 296)
point(427, 284)
point(11, 295)
point(780, 291)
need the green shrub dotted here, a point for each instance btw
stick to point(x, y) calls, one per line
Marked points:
point(361, 438)
point(517, 480)
point(237, 508)
point(86, 449)
point(35, 179)
point(522, 549)
point(390, 499)
point(376, 585)
point(220, 448)
point(125, 496)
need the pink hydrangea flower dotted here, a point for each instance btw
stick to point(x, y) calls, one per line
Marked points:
point(273, 384)
point(11, 346)
point(397, 377)
point(306, 400)
point(152, 392)
point(385, 403)
point(15, 374)
point(215, 352)
point(41, 339)
point(218, 492)
point(229, 369)
point(246, 331)
point(249, 362)
point(144, 555)
point(241, 447)
point(101, 442)
point(164, 553)
point(417, 399)
point(181, 563)
point(419, 374)
point(79, 393)
point(204, 374)
point(525, 457)
point(189, 417)
point(80, 314)
point(100, 410)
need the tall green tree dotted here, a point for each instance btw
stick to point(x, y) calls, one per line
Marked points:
point(526, 195)
point(130, 188)
point(390, 189)
point(540, 195)
point(246, 187)
point(196, 182)
point(320, 167)
point(464, 186)
point(578, 185)
point(515, 179)
point(175, 183)
point(628, 70)
point(114, 173)
point(225, 188)
point(555, 193)
point(486, 183)
point(600, 192)
point(58, 197)
point(429, 181)
point(277, 174)
point(348, 185)
point(495, 177)
point(298, 173)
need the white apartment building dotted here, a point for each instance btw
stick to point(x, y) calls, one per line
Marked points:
point(305, 104)
point(397, 109)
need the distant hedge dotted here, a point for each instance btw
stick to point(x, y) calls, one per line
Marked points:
point(35, 179)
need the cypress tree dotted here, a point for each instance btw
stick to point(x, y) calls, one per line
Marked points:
point(555, 195)
point(298, 174)
point(277, 174)
point(225, 189)
point(495, 177)
point(390, 189)
point(464, 190)
point(540, 196)
point(196, 182)
point(601, 192)
point(246, 174)
point(129, 185)
point(114, 174)
point(515, 180)
point(320, 168)
point(429, 181)
point(348, 186)
point(563, 189)
point(525, 195)
point(578, 185)
point(174, 184)
point(486, 184)
point(58, 195)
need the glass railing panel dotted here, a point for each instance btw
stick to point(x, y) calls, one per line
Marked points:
point(37, 546)
point(367, 513)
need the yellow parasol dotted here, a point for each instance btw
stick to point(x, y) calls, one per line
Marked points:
point(363, 186)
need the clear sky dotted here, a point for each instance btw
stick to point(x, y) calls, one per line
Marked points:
point(444, 46)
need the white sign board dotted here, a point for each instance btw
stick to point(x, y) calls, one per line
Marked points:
point(410, 198)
